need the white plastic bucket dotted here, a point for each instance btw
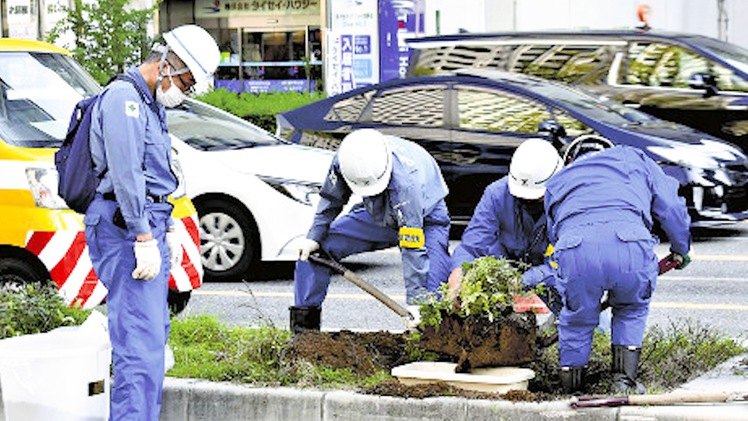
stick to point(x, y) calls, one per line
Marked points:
point(62, 375)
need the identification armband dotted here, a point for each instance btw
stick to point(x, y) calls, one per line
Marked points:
point(411, 238)
point(549, 253)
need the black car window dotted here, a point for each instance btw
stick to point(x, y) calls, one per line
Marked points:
point(667, 65)
point(572, 126)
point(566, 63)
point(490, 110)
point(349, 109)
point(421, 105)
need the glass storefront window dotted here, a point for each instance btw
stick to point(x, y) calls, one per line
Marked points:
point(261, 60)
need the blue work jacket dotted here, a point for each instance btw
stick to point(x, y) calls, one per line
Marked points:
point(129, 139)
point(617, 184)
point(416, 189)
point(502, 227)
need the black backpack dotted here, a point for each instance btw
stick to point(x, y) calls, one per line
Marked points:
point(78, 179)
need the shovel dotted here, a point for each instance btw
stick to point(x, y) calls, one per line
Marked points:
point(407, 318)
point(658, 399)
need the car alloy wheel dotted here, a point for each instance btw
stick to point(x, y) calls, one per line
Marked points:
point(227, 239)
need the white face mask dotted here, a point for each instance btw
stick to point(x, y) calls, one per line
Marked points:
point(173, 96)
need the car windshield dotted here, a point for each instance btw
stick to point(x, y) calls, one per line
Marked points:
point(209, 129)
point(38, 94)
point(733, 54)
point(597, 108)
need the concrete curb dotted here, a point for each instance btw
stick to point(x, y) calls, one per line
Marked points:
point(198, 400)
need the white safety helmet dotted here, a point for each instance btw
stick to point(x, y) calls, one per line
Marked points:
point(585, 143)
point(533, 163)
point(196, 48)
point(366, 162)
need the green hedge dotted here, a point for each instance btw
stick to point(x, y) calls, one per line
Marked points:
point(34, 308)
point(259, 109)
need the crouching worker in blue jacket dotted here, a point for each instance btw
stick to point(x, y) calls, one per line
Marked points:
point(403, 205)
point(600, 209)
point(510, 221)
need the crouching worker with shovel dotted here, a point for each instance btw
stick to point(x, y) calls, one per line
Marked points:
point(403, 205)
point(600, 210)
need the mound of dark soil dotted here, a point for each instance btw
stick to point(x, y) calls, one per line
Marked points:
point(361, 352)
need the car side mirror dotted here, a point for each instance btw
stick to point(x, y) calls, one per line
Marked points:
point(704, 81)
point(554, 130)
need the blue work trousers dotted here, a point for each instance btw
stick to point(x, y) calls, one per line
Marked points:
point(137, 310)
point(614, 257)
point(356, 232)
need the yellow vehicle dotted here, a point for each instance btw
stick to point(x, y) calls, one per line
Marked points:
point(40, 238)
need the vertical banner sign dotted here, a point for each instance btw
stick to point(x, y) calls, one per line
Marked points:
point(20, 20)
point(52, 11)
point(352, 58)
point(398, 21)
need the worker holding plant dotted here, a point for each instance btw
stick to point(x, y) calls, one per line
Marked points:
point(509, 220)
point(403, 205)
point(600, 211)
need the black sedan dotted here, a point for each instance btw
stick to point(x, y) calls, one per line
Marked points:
point(472, 121)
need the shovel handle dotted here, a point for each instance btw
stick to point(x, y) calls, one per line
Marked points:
point(371, 289)
point(332, 264)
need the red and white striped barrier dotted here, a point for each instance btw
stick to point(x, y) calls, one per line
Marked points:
point(65, 255)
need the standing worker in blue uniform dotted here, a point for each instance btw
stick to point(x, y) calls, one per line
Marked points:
point(600, 209)
point(129, 225)
point(403, 205)
point(509, 220)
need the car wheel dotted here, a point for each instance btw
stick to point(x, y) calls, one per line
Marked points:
point(18, 271)
point(228, 240)
point(178, 301)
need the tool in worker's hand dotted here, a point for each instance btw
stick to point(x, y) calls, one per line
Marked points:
point(658, 399)
point(667, 263)
point(407, 318)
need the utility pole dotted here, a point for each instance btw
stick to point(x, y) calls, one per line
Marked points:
point(722, 20)
point(4, 17)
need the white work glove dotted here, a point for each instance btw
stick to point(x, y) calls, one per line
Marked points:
point(175, 249)
point(412, 323)
point(147, 260)
point(306, 248)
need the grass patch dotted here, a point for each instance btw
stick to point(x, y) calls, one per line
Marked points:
point(671, 355)
point(206, 349)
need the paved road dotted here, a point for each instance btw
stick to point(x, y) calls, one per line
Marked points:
point(712, 290)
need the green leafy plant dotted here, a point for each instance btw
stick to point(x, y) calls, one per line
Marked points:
point(108, 35)
point(488, 289)
point(34, 308)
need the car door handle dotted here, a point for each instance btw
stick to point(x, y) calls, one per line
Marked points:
point(632, 104)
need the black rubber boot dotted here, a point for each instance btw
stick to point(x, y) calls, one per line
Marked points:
point(625, 369)
point(572, 379)
point(304, 318)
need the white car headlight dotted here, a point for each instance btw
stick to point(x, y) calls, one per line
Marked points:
point(43, 184)
point(689, 157)
point(304, 193)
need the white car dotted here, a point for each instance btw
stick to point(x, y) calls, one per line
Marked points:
point(255, 194)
